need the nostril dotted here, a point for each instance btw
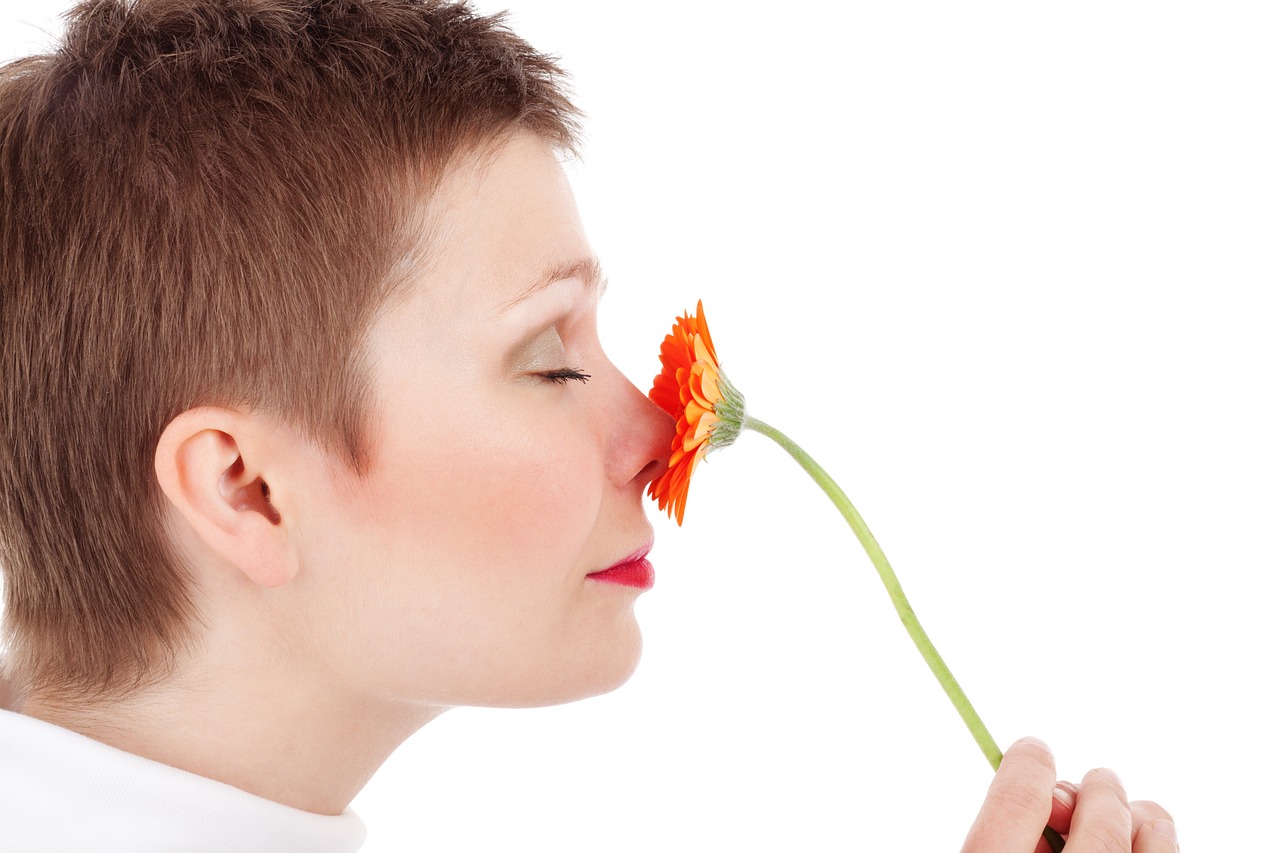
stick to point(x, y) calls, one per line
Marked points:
point(652, 471)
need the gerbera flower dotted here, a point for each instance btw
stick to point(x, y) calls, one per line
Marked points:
point(708, 410)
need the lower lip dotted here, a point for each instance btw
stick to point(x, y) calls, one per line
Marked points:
point(637, 573)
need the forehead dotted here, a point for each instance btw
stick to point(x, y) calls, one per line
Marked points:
point(500, 220)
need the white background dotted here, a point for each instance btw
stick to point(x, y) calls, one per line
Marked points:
point(1008, 271)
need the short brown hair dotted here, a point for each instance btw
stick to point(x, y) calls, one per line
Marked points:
point(203, 202)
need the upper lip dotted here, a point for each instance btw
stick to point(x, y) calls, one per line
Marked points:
point(639, 554)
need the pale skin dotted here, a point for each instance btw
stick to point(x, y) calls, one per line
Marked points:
point(1095, 816)
point(340, 614)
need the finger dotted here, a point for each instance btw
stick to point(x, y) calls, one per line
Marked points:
point(1156, 836)
point(1064, 805)
point(1018, 802)
point(1101, 823)
point(1145, 811)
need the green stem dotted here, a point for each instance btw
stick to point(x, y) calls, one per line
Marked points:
point(890, 580)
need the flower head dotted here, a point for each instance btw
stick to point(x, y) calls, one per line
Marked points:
point(708, 410)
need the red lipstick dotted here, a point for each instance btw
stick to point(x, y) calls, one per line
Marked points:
point(634, 571)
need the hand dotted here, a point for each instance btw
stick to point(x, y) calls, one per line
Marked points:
point(1095, 817)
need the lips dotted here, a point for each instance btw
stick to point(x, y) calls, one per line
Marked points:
point(635, 571)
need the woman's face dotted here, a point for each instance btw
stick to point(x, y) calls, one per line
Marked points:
point(501, 477)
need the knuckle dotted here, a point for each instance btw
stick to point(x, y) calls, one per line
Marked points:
point(1103, 836)
point(1019, 795)
point(1156, 836)
point(1146, 811)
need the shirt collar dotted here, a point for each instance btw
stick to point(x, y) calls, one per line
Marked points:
point(56, 784)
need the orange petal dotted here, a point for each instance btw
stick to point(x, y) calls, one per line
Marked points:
point(700, 432)
point(705, 333)
point(688, 389)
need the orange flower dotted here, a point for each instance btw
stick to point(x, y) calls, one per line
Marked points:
point(707, 409)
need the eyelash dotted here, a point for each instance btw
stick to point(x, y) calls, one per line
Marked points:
point(564, 374)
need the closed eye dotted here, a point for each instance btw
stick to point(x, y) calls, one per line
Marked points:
point(562, 375)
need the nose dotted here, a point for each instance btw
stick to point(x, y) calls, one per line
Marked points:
point(642, 434)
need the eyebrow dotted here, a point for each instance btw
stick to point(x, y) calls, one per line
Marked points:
point(586, 269)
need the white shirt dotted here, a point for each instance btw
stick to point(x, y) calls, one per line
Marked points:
point(61, 791)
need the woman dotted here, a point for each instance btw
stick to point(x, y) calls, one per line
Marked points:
point(309, 435)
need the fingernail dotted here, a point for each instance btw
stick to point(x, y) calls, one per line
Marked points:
point(1064, 792)
point(1165, 828)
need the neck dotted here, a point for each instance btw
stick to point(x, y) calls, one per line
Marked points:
point(275, 732)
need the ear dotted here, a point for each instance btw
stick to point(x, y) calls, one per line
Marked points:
point(212, 464)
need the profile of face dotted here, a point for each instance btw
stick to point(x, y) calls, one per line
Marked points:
point(508, 463)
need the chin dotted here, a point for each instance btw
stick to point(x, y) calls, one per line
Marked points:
point(621, 662)
point(594, 675)
point(610, 679)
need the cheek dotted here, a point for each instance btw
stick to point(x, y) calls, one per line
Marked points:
point(481, 500)
point(466, 557)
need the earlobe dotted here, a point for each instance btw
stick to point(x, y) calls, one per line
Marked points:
point(210, 468)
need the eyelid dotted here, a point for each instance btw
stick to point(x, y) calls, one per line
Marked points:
point(540, 349)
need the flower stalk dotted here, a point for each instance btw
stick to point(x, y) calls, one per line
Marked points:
point(890, 580)
point(899, 598)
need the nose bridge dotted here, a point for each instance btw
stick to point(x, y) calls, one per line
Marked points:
point(640, 433)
